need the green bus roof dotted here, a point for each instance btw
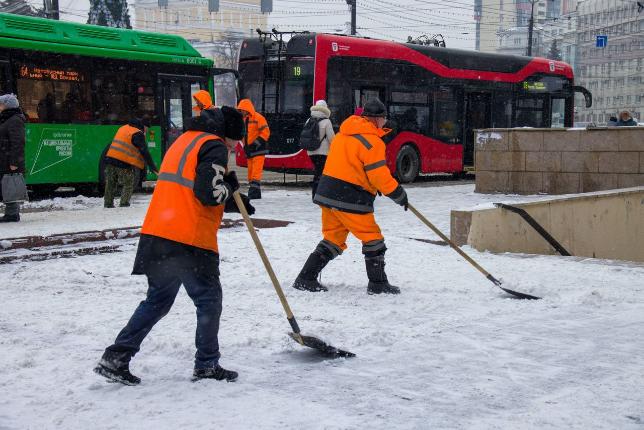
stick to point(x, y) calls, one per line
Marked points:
point(22, 32)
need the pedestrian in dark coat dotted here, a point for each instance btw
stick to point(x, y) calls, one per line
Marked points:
point(12, 147)
point(178, 244)
point(626, 120)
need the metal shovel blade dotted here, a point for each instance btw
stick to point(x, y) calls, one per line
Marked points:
point(320, 345)
point(520, 295)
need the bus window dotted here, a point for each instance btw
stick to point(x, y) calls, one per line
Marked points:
point(557, 112)
point(447, 117)
point(53, 93)
point(409, 111)
point(529, 112)
point(502, 110)
point(251, 77)
point(297, 87)
point(4, 81)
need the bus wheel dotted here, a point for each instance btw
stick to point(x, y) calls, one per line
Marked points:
point(407, 164)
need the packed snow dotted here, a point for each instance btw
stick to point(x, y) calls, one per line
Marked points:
point(451, 352)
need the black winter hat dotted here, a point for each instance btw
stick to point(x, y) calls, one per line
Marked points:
point(234, 123)
point(375, 108)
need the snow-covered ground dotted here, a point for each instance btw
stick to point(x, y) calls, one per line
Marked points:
point(451, 351)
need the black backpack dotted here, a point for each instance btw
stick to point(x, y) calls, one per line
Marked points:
point(310, 136)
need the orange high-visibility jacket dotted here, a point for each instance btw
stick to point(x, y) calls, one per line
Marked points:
point(355, 168)
point(122, 148)
point(256, 128)
point(175, 213)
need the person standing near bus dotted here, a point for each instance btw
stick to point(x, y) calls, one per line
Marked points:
point(202, 100)
point(127, 152)
point(178, 243)
point(355, 171)
point(321, 113)
point(12, 147)
point(255, 145)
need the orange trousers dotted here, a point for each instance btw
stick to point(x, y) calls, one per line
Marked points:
point(336, 226)
point(255, 168)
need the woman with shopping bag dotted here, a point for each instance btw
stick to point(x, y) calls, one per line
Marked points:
point(12, 156)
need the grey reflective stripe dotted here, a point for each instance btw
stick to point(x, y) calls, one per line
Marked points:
point(265, 151)
point(126, 148)
point(332, 247)
point(374, 245)
point(253, 122)
point(262, 128)
point(375, 165)
point(362, 140)
point(126, 152)
point(177, 177)
point(342, 205)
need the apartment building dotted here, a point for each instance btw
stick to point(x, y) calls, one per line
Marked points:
point(614, 73)
point(215, 34)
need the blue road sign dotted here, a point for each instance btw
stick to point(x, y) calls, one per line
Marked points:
point(602, 41)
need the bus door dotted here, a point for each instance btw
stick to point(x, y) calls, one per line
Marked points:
point(362, 94)
point(176, 105)
point(477, 115)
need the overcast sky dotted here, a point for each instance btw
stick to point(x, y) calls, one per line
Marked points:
point(383, 19)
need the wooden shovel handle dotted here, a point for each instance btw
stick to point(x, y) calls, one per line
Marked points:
point(267, 263)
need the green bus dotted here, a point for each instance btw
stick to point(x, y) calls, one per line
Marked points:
point(78, 83)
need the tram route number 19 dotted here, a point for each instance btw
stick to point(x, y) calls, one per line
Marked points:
point(297, 71)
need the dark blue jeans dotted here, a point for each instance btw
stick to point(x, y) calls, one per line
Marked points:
point(164, 282)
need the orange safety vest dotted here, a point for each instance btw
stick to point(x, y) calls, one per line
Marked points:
point(175, 213)
point(122, 148)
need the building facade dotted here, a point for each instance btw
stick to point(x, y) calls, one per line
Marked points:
point(215, 34)
point(614, 73)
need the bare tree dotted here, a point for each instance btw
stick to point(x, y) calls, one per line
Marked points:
point(226, 50)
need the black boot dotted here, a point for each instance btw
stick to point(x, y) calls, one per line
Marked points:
point(307, 279)
point(378, 283)
point(115, 366)
point(218, 373)
point(10, 218)
point(254, 191)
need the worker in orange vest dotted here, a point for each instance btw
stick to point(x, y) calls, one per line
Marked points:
point(202, 100)
point(354, 172)
point(255, 145)
point(178, 243)
point(127, 152)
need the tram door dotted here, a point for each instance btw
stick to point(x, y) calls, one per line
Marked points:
point(177, 103)
point(477, 116)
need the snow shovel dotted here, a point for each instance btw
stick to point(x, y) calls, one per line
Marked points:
point(468, 258)
point(304, 340)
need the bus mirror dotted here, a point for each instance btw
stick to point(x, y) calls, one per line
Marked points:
point(588, 97)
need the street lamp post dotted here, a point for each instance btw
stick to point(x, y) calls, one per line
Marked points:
point(530, 27)
point(352, 4)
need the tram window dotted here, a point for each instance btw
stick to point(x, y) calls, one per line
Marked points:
point(447, 120)
point(409, 111)
point(53, 94)
point(502, 111)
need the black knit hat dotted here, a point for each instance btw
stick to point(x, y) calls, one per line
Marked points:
point(375, 108)
point(235, 128)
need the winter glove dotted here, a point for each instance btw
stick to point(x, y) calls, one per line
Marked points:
point(231, 205)
point(250, 148)
point(230, 178)
point(399, 195)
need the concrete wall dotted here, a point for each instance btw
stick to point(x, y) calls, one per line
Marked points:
point(558, 161)
point(607, 224)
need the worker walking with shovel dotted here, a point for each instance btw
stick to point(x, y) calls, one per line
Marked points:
point(354, 172)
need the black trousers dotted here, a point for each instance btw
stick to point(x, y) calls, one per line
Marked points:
point(318, 167)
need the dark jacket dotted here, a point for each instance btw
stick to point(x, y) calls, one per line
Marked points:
point(138, 140)
point(155, 250)
point(12, 140)
point(630, 123)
